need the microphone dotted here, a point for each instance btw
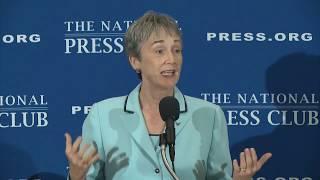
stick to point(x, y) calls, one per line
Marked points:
point(169, 111)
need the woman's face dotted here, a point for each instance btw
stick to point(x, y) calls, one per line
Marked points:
point(160, 60)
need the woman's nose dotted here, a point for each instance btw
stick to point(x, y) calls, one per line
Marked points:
point(170, 58)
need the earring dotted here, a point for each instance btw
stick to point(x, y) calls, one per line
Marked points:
point(138, 71)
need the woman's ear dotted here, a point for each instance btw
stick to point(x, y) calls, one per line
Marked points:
point(135, 63)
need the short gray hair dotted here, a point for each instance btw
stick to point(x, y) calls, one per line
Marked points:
point(141, 30)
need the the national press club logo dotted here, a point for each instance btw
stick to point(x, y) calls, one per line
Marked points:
point(275, 109)
point(95, 37)
point(23, 111)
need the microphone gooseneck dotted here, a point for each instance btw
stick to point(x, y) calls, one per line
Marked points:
point(169, 110)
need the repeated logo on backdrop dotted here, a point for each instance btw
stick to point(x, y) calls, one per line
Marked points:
point(23, 111)
point(275, 109)
point(95, 37)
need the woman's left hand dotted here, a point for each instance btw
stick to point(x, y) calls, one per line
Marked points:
point(249, 164)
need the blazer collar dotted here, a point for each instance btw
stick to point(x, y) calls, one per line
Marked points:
point(132, 104)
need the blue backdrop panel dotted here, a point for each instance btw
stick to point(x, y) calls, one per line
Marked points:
point(259, 60)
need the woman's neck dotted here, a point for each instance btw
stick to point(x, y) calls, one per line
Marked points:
point(150, 97)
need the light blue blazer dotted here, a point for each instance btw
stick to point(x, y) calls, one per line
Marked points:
point(116, 127)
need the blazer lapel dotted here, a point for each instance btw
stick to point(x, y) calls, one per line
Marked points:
point(184, 117)
point(134, 123)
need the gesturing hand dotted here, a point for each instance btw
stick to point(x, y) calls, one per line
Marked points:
point(249, 164)
point(79, 159)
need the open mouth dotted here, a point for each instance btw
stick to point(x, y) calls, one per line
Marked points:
point(168, 72)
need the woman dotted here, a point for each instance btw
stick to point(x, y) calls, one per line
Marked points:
point(123, 131)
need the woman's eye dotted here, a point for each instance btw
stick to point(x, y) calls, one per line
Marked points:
point(159, 51)
point(178, 51)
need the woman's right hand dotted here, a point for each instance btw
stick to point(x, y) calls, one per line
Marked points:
point(79, 159)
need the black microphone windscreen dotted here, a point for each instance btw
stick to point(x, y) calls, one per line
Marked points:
point(169, 108)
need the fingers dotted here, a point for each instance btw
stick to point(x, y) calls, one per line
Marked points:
point(236, 167)
point(92, 155)
point(83, 150)
point(263, 160)
point(76, 144)
point(248, 157)
point(253, 155)
point(76, 155)
point(80, 159)
point(243, 163)
point(254, 159)
point(94, 159)
point(249, 163)
point(68, 142)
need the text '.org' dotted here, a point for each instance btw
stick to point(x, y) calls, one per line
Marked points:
point(259, 37)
